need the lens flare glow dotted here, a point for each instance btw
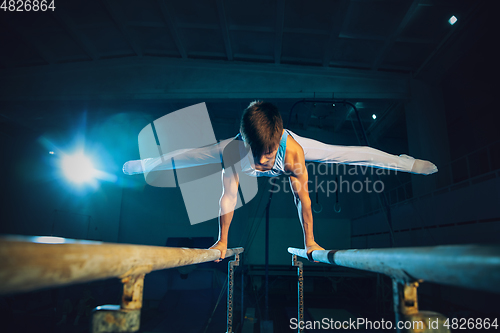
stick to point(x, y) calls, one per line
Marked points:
point(452, 20)
point(49, 240)
point(78, 168)
point(374, 116)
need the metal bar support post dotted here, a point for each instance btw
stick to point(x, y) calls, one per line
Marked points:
point(300, 290)
point(230, 292)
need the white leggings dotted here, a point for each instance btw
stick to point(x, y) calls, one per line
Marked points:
point(314, 151)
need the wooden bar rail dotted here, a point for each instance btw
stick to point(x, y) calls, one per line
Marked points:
point(469, 266)
point(32, 263)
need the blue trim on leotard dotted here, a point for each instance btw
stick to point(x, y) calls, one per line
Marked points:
point(279, 163)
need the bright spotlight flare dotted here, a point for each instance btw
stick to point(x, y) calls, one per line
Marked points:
point(78, 168)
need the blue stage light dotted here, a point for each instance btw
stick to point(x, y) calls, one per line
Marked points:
point(78, 168)
point(452, 20)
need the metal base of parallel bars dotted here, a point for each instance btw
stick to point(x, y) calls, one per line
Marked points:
point(125, 317)
point(406, 311)
point(111, 318)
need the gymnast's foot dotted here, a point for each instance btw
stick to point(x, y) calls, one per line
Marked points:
point(310, 248)
point(133, 167)
point(424, 167)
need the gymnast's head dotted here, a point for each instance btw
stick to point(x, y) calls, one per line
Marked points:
point(261, 128)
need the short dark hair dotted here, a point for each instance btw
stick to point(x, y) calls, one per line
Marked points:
point(261, 127)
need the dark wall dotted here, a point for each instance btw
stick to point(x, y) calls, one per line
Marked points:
point(470, 90)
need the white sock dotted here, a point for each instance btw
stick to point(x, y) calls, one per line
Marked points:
point(424, 167)
point(133, 167)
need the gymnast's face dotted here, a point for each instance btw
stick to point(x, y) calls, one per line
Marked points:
point(266, 160)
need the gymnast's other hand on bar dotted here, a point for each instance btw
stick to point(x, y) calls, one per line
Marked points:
point(310, 248)
point(222, 247)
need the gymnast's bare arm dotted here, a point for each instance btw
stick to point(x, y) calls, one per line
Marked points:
point(227, 203)
point(296, 167)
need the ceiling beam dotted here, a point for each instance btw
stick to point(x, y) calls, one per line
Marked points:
point(361, 36)
point(201, 26)
point(168, 17)
point(224, 28)
point(412, 8)
point(415, 40)
point(64, 20)
point(344, 64)
point(257, 57)
point(120, 20)
point(278, 39)
point(301, 60)
point(145, 24)
point(208, 54)
point(173, 78)
point(338, 25)
point(318, 32)
point(250, 28)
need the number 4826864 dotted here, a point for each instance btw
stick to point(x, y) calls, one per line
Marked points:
point(470, 323)
point(27, 5)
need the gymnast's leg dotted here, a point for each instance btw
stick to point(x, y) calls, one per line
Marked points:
point(316, 151)
point(183, 158)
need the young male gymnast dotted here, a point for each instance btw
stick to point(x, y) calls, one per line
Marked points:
point(276, 151)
